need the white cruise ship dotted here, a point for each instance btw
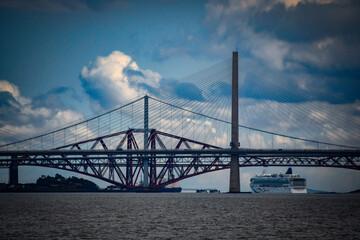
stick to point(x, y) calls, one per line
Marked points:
point(278, 183)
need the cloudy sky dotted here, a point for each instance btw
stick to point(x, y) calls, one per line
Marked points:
point(64, 60)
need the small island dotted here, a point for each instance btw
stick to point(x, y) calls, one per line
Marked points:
point(54, 184)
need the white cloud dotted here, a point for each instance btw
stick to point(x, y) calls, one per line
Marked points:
point(318, 115)
point(282, 140)
point(6, 86)
point(25, 130)
point(38, 112)
point(117, 78)
point(258, 140)
point(61, 117)
point(270, 50)
point(30, 119)
point(266, 5)
point(294, 3)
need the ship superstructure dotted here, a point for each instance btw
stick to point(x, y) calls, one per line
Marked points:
point(278, 183)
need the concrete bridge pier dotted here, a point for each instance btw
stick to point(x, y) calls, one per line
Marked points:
point(13, 172)
point(234, 164)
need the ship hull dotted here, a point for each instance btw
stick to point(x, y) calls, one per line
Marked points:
point(160, 190)
point(174, 190)
point(259, 189)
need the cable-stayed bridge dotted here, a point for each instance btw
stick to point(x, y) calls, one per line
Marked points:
point(184, 129)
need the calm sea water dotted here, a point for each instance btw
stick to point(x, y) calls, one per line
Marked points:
point(175, 216)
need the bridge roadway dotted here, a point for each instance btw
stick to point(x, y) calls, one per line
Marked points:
point(204, 157)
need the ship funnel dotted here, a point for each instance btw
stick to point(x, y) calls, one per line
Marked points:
point(289, 171)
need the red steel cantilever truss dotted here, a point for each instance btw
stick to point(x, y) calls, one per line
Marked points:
point(126, 170)
point(123, 166)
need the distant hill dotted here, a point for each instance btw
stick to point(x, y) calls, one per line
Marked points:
point(325, 192)
point(355, 191)
point(312, 191)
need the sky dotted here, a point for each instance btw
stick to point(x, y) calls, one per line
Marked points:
point(63, 60)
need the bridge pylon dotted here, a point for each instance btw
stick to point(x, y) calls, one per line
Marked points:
point(146, 137)
point(234, 164)
point(13, 172)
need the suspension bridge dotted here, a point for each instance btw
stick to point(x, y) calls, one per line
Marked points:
point(189, 128)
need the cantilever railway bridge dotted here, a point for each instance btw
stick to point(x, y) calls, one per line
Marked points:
point(151, 158)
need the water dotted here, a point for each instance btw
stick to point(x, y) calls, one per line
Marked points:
point(174, 216)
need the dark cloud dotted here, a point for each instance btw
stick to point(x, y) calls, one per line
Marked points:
point(22, 117)
point(14, 113)
point(53, 98)
point(177, 89)
point(188, 91)
point(97, 94)
point(5, 99)
point(145, 87)
point(310, 21)
point(221, 89)
point(335, 87)
point(8, 112)
point(342, 85)
point(130, 72)
point(259, 88)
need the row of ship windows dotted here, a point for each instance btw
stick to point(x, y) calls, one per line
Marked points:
point(273, 185)
point(270, 182)
point(281, 185)
point(299, 183)
point(292, 183)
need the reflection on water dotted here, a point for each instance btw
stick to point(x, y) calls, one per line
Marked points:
point(172, 216)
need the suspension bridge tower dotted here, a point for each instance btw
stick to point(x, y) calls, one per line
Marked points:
point(234, 164)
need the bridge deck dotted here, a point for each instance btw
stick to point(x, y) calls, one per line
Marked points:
point(241, 152)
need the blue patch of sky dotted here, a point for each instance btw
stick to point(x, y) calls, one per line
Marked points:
point(43, 50)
